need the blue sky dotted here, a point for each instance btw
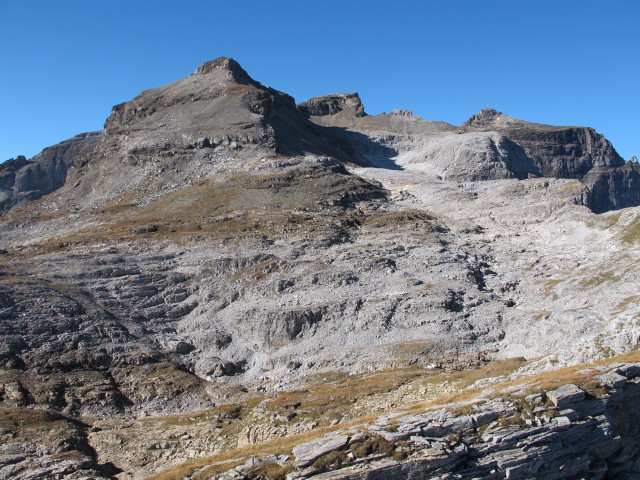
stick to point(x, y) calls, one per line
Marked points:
point(65, 63)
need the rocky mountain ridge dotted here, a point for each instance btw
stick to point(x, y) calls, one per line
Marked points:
point(502, 147)
point(260, 116)
point(216, 242)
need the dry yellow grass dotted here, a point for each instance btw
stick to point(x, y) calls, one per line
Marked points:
point(631, 234)
point(237, 206)
point(625, 221)
point(329, 393)
point(542, 381)
point(237, 456)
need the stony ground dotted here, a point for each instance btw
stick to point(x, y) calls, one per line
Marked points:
point(217, 249)
point(578, 421)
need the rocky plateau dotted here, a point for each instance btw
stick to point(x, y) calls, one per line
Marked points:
point(222, 271)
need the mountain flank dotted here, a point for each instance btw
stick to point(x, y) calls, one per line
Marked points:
point(221, 267)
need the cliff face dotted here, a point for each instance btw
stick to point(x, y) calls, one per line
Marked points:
point(570, 152)
point(562, 152)
point(22, 181)
point(612, 188)
point(349, 103)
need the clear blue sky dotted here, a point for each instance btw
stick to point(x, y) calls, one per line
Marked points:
point(65, 63)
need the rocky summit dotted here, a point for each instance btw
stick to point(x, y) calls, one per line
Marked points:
point(224, 284)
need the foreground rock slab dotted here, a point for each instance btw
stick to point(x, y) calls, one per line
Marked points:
point(574, 435)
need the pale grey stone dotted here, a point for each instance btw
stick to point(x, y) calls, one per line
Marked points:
point(562, 422)
point(566, 395)
point(611, 380)
point(630, 370)
point(307, 453)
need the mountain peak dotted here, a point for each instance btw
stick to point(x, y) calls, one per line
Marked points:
point(484, 117)
point(225, 64)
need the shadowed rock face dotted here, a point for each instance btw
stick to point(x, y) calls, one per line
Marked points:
point(570, 152)
point(22, 181)
point(612, 188)
point(349, 103)
point(562, 152)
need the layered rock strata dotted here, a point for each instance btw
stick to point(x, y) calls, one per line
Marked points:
point(562, 433)
point(489, 145)
point(216, 241)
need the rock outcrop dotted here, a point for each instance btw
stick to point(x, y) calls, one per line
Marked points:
point(561, 152)
point(44, 445)
point(558, 434)
point(570, 152)
point(612, 188)
point(24, 180)
point(346, 104)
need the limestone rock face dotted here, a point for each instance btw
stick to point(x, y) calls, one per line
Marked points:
point(570, 152)
point(22, 181)
point(216, 241)
point(472, 156)
point(612, 188)
point(46, 445)
point(566, 395)
point(563, 152)
point(349, 103)
point(307, 453)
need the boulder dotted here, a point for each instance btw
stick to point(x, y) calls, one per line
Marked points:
point(566, 395)
point(307, 453)
point(630, 370)
point(611, 380)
